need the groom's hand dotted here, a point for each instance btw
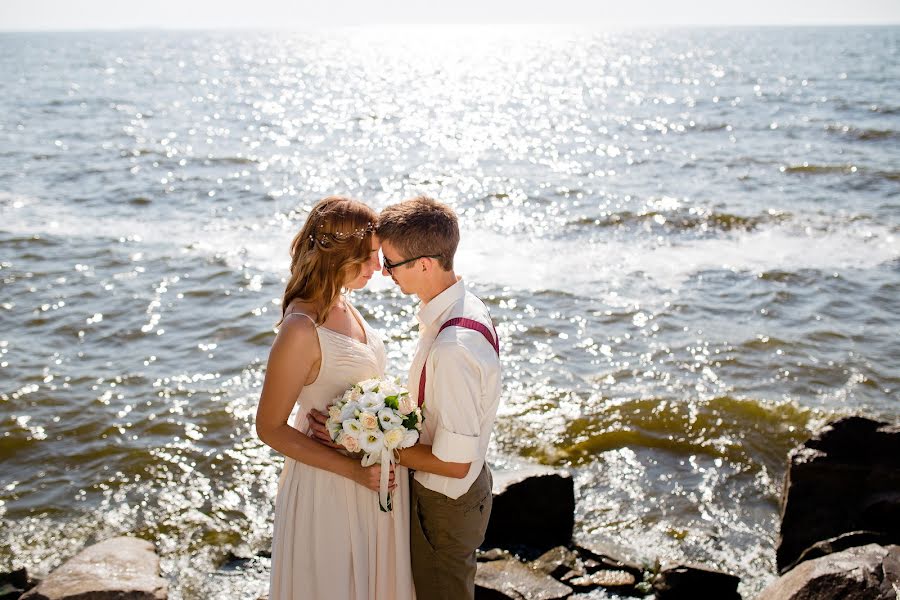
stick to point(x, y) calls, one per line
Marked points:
point(316, 421)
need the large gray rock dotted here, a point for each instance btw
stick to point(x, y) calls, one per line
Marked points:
point(839, 544)
point(122, 568)
point(511, 580)
point(533, 507)
point(845, 479)
point(869, 572)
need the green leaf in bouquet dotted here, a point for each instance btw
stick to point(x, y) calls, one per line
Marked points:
point(392, 402)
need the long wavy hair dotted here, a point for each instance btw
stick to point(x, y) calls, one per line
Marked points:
point(330, 249)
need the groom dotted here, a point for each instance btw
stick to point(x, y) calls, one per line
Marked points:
point(455, 376)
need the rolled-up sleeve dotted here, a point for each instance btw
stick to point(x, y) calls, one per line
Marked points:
point(455, 403)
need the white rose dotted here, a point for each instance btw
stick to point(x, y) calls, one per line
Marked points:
point(389, 419)
point(368, 420)
point(389, 388)
point(351, 443)
point(348, 411)
point(371, 401)
point(353, 394)
point(393, 438)
point(371, 441)
point(369, 385)
point(410, 437)
point(334, 412)
point(406, 404)
point(352, 427)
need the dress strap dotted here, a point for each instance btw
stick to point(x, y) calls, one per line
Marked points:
point(297, 312)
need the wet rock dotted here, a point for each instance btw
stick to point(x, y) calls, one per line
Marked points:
point(601, 556)
point(558, 562)
point(604, 578)
point(123, 568)
point(533, 507)
point(510, 579)
point(840, 543)
point(238, 576)
point(870, 572)
point(694, 582)
point(844, 479)
point(492, 554)
point(15, 583)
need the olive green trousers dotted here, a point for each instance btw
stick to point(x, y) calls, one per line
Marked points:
point(444, 534)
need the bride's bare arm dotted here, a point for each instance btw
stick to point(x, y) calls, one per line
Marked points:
point(292, 360)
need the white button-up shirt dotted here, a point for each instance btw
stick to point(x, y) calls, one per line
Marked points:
point(462, 386)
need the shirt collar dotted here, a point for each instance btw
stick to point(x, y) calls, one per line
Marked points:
point(431, 311)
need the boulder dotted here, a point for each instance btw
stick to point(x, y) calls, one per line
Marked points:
point(533, 507)
point(558, 562)
point(122, 568)
point(870, 572)
point(844, 479)
point(237, 577)
point(840, 543)
point(510, 579)
point(600, 555)
point(694, 582)
point(15, 583)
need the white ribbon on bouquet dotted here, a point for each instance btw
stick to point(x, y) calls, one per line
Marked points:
point(387, 460)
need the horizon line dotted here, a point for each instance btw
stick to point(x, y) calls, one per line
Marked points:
point(306, 28)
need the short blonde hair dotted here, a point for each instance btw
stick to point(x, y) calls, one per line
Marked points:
point(421, 226)
point(331, 248)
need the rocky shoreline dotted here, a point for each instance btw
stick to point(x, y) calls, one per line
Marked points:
point(839, 537)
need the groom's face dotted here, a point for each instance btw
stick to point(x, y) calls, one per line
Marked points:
point(402, 275)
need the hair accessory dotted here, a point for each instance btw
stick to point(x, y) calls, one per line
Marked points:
point(324, 239)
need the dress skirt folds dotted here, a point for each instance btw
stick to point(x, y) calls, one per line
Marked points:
point(330, 539)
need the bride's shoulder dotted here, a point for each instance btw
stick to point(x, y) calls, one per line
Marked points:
point(296, 334)
point(297, 321)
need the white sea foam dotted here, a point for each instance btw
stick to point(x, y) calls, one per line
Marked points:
point(579, 267)
point(519, 262)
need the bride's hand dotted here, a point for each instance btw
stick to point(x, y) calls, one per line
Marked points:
point(317, 428)
point(370, 477)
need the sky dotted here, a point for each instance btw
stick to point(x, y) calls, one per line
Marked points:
point(66, 15)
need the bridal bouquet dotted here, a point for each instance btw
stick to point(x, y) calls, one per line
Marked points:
point(376, 417)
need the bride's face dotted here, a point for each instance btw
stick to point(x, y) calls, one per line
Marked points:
point(368, 268)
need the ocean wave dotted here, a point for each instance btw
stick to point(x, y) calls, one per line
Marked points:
point(229, 160)
point(848, 169)
point(683, 220)
point(595, 264)
point(751, 432)
point(863, 134)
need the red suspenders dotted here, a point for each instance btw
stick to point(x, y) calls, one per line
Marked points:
point(468, 324)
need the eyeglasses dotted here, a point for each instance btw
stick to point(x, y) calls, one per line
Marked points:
point(389, 266)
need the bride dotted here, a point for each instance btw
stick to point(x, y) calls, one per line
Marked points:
point(330, 539)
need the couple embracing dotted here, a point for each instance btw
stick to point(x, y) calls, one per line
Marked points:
point(331, 540)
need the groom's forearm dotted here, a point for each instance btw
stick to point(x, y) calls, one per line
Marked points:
point(420, 458)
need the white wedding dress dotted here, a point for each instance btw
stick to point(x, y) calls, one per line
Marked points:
point(330, 539)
